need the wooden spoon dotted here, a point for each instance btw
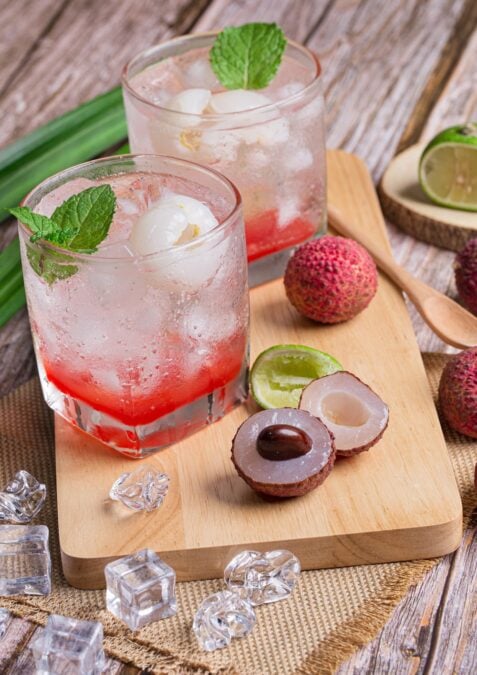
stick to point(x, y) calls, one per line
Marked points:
point(451, 322)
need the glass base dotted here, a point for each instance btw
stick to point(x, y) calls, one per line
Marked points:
point(143, 440)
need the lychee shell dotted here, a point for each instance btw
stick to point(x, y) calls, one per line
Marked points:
point(458, 392)
point(331, 279)
point(466, 275)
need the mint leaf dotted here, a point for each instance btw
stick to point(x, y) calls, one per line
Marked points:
point(80, 224)
point(41, 226)
point(51, 266)
point(248, 57)
point(88, 216)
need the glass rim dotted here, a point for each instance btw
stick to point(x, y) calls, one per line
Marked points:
point(117, 159)
point(214, 117)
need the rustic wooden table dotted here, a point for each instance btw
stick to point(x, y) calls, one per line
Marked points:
point(395, 71)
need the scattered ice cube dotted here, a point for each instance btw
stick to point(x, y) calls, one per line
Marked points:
point(142, 490)
point(191, 101)
point(221, 617)
point(262, 577)
point(22, 499)
point(140, 588)
point(4, 620)
point(25, 566)
point(69, 646)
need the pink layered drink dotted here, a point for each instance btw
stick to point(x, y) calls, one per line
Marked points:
point(146, 340)
point(270, 142)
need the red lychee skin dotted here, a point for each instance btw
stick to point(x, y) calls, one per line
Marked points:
point(466, 275)
point(458, 392)
point(331, 279)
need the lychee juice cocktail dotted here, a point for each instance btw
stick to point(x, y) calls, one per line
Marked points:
point(144, 340)
point(269, 142)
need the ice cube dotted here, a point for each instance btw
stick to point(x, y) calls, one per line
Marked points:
point(221, 617)
point(191, 101)
point(200, 74)
point(236, 100)
point(142, 490)
point(262, 577)
point(288, 209)
point(69, 646)
point(22, 499)
point(63, 192)
point(25, 566)
point(140, 588)
point(299, 159)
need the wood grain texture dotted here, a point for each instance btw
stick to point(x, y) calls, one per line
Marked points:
point(403, 645)
point(407, 505)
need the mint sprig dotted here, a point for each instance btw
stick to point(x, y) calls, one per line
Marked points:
point(80, 224)
point(248, 56)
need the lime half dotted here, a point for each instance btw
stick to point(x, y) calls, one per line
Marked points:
point(448, 168)
point(280, 373)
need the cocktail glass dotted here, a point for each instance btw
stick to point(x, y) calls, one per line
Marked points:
point(274, 153)
point(141, 351)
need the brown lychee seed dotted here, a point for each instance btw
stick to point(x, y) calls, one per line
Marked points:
point(331, 279)
point(465, 267)
point(356, 416)
point(300, 450)
point(458, 392)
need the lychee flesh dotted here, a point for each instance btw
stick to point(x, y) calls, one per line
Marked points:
point(466, 275)
point(331, 279)
point(458, 392)
point(356, 416)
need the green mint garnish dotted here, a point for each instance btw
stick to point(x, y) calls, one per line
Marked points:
point(80, 224)
point(248, 57)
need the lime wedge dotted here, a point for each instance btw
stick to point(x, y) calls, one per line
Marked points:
point(448, 168)
point(280, 373)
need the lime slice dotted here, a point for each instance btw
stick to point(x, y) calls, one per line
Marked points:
point(280, 373)
point(448, 168)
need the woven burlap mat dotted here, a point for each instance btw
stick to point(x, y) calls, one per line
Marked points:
point(330, 614)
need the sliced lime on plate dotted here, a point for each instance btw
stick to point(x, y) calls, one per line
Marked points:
point(448, 168)
point(280, 373)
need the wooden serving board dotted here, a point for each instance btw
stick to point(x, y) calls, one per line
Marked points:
point(398, 501)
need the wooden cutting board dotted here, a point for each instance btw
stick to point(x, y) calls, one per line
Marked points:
point(398, 501)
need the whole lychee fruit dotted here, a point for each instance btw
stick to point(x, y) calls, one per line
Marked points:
point(331, 279)
point(458, 392)
point(466, 275)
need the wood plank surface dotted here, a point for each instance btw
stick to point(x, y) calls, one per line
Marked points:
point(446, 95)
point(387, 519)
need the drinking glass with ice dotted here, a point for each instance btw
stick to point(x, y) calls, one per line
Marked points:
point(145, 340)
point(270, 142)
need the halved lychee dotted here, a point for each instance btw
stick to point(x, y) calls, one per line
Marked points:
point(283, 452)
point(352, 411)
